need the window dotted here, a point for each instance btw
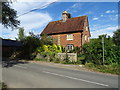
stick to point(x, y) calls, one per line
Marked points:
point(69, 47)
point(69, 36)
point(85, 37)
point(86, 28)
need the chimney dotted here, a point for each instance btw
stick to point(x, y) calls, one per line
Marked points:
point(65, 16)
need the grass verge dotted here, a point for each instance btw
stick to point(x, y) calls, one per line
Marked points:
point(112, 69)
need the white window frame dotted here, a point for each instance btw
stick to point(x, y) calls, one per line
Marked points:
point(86, 28)
point(70, 45)
point(69, 36)
point(85, 37)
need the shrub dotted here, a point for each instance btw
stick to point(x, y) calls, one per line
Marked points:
point(66, 59)
point(93, 51)
point(57, 60)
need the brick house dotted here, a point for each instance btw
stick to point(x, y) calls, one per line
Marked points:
point(69, 32)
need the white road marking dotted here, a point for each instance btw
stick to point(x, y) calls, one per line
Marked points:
point(75, 78)
point(20, 66)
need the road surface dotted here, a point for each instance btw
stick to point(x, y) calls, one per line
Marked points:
point(34, 75)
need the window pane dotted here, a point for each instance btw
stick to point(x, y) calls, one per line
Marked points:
point(69, 36)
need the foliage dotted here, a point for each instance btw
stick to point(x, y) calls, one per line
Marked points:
point(75, 50)
point(30, 44)
point(46, 40)
point(3, 86)
point(50, 48)
point(116, 37)
point(21, 35)
point(49, 51)
point(113, 69)
point(93, 51)
point(57, 60)
point(9, 16)
point(66, 59)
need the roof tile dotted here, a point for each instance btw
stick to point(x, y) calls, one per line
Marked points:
point(71, 25)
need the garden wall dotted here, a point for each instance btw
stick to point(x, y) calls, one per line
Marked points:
point(72, 56)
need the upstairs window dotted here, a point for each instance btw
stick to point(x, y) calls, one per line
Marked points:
point(85, 37)
point(86, 28)
point(69, 36)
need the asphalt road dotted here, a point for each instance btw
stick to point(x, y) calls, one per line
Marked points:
point(33, 75)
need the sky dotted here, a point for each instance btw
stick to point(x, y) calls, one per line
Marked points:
point(102, 16)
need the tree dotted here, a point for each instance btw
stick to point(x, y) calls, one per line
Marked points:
point(30, 44)
point(116, 37)
point(9, 16)
point(47, 40)
point(21, 35)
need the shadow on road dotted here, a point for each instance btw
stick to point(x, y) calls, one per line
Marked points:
point(6, 62)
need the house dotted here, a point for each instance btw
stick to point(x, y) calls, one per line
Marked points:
point(69, 32)
point(9, 46)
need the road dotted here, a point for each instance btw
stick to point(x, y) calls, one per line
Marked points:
point(34, 75)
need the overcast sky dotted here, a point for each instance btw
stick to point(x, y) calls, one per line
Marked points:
point(103, 16)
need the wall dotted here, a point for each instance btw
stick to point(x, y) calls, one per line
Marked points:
point(72, 56)
point(63, 41)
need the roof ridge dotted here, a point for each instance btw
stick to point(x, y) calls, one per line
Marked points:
point(69, 18)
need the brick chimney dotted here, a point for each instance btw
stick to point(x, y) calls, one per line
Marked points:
point(65, 16)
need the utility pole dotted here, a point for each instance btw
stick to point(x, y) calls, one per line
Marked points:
point(103, 48)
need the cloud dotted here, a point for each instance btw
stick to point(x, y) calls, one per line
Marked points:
point(8, 33)
point(74, 8)
point(101, 15)
point(23, 7)
point(34, 21)
point(30, 22)
point(95, 18)
point(76, 5)
point(111, 11)
point(108, 30)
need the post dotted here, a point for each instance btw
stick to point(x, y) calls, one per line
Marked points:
point(103, 48)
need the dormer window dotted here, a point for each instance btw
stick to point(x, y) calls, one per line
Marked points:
point(69, 36)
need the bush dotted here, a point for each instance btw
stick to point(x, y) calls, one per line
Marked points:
point(93, 51)
point(57, 60)
point(30, 44)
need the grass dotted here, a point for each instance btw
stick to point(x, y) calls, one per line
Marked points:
point(113, 69)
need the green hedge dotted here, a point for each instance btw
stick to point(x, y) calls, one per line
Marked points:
point(93, 52)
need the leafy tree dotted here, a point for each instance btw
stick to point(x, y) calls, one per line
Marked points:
point(9, 16)
point(116, 37)
point(30, 44)
point(47, 40)
point(21, 35)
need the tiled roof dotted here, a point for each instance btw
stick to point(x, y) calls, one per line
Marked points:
point(71, 25)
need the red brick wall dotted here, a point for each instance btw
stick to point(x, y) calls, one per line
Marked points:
point(63, 39)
